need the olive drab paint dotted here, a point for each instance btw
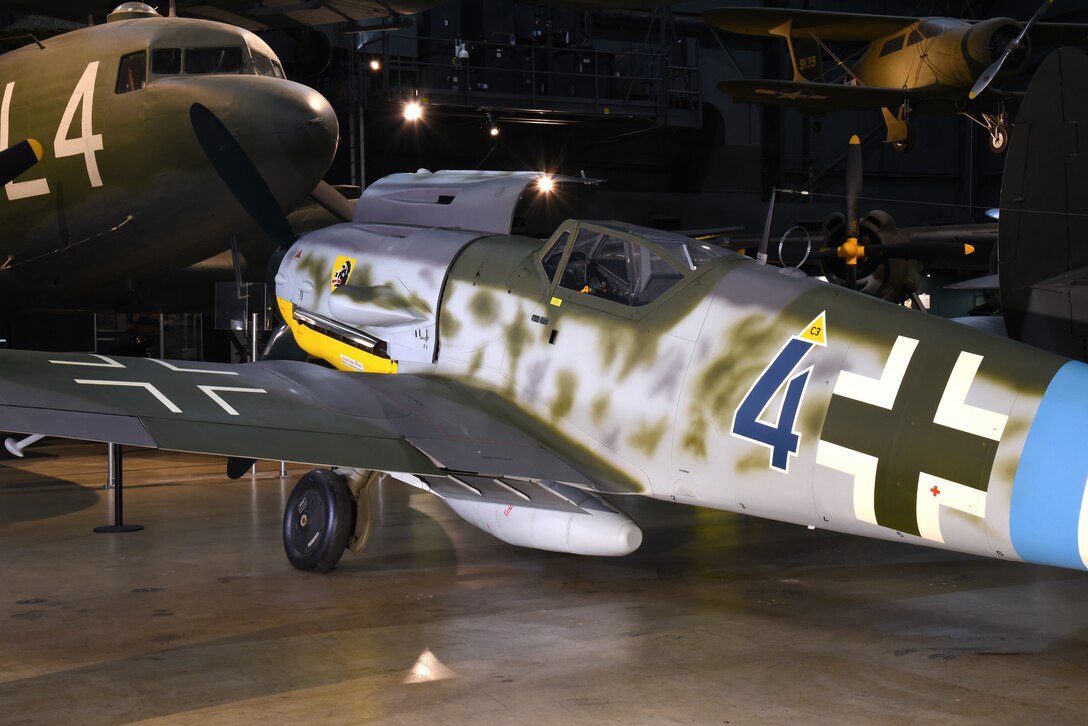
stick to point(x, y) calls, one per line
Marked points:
point(123, 190)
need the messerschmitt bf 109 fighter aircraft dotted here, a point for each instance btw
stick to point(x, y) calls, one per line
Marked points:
point(123, 189)
point(534, 385)
point(944, 65)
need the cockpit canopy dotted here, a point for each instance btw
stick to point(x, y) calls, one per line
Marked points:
point(623, 263)
point(134, 74)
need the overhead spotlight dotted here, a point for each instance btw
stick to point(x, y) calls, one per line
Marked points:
point(492, 127)
point(375, 64)
point(413, 111)
point(545, 183)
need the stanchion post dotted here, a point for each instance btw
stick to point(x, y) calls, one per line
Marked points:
point(116, 466)
point(111, 475)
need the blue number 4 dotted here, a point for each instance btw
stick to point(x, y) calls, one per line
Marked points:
point(781, 436)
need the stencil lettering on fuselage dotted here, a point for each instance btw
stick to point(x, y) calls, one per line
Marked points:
point(909, 439)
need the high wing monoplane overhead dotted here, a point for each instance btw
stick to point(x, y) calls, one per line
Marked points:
point(124, 188)
point(939, 64)
point(524, 380)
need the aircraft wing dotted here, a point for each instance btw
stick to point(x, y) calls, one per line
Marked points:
point(805, 23)
point(1064, 281)
point(977, 284)
point(842, 97)
point(817, 96)
point(292, 411)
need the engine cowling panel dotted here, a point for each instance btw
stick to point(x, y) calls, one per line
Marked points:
point(367, 300)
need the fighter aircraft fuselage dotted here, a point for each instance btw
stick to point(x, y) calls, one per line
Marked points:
point(534, 384)
point(654, 366)
point(124, 190)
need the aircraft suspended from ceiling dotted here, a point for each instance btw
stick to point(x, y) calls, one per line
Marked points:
point(870, 254)
point(944, 65)
point(123, 190)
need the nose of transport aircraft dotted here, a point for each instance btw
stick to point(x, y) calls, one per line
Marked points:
point(287, 130)
point(290, 133)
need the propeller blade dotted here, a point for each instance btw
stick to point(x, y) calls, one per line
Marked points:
point(333, 202)
point(850, 250)
point(921, 250)
point(18, 158)
point(988, 76)
point(853, 185)
point(240, 175)
point(927, 250)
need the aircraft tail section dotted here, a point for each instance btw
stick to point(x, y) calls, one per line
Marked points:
point(805, 57)
point(1043, 232)
point(804, 51)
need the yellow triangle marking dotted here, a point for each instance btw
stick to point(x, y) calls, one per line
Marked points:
point(816, 331)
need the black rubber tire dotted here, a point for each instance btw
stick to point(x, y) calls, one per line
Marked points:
point(318, 521)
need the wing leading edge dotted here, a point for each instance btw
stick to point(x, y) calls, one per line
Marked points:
point(856, 27)
point(839, 97)
point(296, 412)
point(805, 23)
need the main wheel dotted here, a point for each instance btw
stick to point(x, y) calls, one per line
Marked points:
point(999, 139)
point(318, 521)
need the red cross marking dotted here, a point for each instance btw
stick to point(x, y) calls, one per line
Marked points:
point(935, 490)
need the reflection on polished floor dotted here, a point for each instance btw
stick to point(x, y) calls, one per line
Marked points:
point(716, 619)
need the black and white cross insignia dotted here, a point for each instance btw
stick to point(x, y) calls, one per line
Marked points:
point(910, 440)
